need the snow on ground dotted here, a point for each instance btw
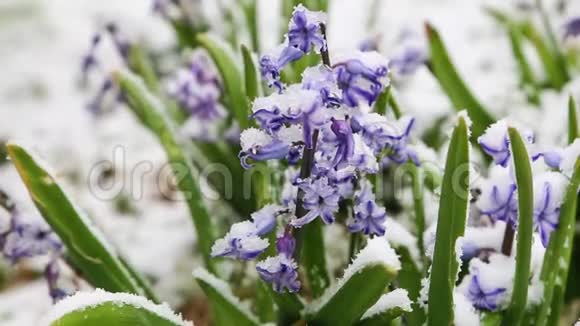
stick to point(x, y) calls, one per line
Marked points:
point(41, 43)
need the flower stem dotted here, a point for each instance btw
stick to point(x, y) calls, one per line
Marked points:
point(508, 240)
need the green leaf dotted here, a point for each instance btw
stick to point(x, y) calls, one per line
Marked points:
point(409, 278)
point(99, 308)
point(363, 283)
point(523, 171)
point(450, 225)
point(226, 308)
point(150, 112)
point(289, 306)
point(453, 85)
point(252, 80)
point(227, 66)
point(142, 66)
point(312, 256)
point(559, 252)
point(572, 121)
point(86, 246)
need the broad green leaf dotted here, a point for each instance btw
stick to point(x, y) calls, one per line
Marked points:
point(363, 283)
point(226, 308)
point(559, 251)
point(572, 121)
point(450, 225)
point(453, 85)
point(228, 68)
point(251, 76)
point(389, 307)
point(99, 308)
point(86, 246)
point(524, 180)
point(150, 112)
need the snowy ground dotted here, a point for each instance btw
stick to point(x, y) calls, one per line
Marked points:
point(41, 43)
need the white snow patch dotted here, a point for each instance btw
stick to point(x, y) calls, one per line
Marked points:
point(464, 313)
point(398, 235)
point(398, 298)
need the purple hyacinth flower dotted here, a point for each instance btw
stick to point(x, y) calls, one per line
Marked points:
point(89, 60)
point(271, 64)
point(322, 79)
point(304, 31)
point(501, 203)
point(369, 218)
point(275, 150)
point(483, 298)
point(265, 218)
point(408, 61)
point(286, 244)
point(240, 242)
point(553, 158)
point(281, 271)
point(364, 194)
point(96, 105)
point(51, 275)
point(361, 78)
point(546, 214)
point(259, 146)
point(27, 240)
point(320, 199)
point(122, 45)
point(344, 141)
point(495, 142)
point(572, 28)
point(548, 195)
point(368, 45)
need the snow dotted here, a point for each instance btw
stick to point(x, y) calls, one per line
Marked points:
point(376, 252)
point(86, 300)
point(464, 313)
point(224, 290)
point(398, 298)
point(398, 235)
point(254, 137)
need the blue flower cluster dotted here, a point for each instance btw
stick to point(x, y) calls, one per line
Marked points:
point(21, 239)
point(91, 64)
point(499, 193)
point(326, 124)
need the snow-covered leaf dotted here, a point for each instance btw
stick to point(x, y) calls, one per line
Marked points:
point(453, 210)
point(523, 174)
point(226, 308)
point(558, 253)
point(457, 91)
point(363, 283)
point(99, 308)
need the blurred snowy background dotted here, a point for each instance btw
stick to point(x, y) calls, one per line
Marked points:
point(42, 103)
